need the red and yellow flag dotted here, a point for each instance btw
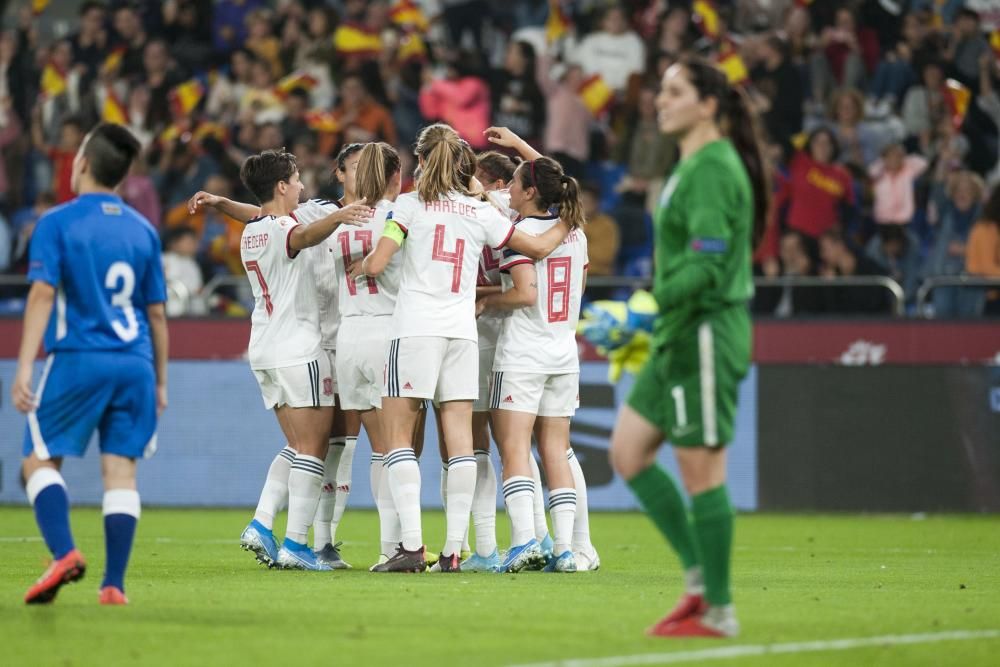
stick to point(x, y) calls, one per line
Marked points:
point(956, 97)
point(356, 40)
point(407, 15)
point(596, 94)
point(995, 42)
point(557, 25)
point(113, 110)
point(731, 63)
point(322, 121)
point(185, 97)
point(293, 81)
point(114, 60)
point(706, 16)
point(53, 81)
point(412, 47)
point(39, 6)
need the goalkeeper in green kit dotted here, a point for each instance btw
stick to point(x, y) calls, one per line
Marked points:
point(711, 211)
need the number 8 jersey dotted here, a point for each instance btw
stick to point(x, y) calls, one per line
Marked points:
point(444, 241)
point(542, 338)
point(284, 327)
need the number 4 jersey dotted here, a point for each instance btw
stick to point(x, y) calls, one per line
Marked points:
point(285, 322)
point(444, 241)
point(541, 338)
point(103, 259)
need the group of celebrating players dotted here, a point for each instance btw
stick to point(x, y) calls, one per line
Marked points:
point(465, 292)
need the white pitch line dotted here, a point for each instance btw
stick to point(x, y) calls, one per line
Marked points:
point(729, 652)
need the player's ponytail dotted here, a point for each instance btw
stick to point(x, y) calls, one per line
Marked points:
point(448, 162)
point(553, 189)
point(378, 163)
point(741, 127)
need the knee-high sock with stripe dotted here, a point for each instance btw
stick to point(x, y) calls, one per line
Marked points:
point(47, 494)
point(518, 495)
point(712, 515)
point(461, 488)
point(444, 501)
point(304, 482)
point(661, 499)
point(343, 480)
point(562, 506)
point(388, 517)
point(327, 495)
point(121, 514)
point(484, 505)
point(541, 527)
point(274, 495)
point(404, 482)
point(581, 524)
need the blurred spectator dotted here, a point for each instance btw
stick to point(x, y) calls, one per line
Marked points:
point(615, 52)
point(797, 260)
point(161, 77)
point(860, 142)
point(61, 156)
point(924, 105)
point(839, 260)
point(139, 192)
point(893, 178)
point(518, 103)
point(360, 118)
point(650, 154)
point(229, 23)
point(459, 98)
point(603, 238)
point(182, 170)
point(24, 226)
point(90, 44)
point(567, 130)
point(10, 131)
point(896, 249)
point(181, 272)
point(6, 245)
point(817, 189)
point(262, 42)
point(131, 36)
point(842, 55)
point(188, 30)
point(956, 207)
point(982, 253)
point(967, 45)
point(781, 87)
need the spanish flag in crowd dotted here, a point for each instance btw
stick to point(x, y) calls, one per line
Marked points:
point(995, 42)
point(113, 111)
point(731, 63)
point(39, 6)
point(114, 60)
point(293, 81)
point(596, 94)
point(322, 121)
point(53, 81)
point(185, 97)
point(356, 40)
point(412, 47)
point(706, 16)
point(407, 15)
point(956, 97)
point(557, 25)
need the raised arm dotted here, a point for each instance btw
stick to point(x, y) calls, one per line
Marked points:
point(541, 246)
point(234, 209)
point(306, 236)
point(502, 136)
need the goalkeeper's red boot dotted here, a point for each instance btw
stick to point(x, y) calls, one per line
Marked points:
point(67, 569)
point(689, 605)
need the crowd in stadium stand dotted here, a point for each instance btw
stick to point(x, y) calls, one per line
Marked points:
point(881, 117)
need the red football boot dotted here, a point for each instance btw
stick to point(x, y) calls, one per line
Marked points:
point(112, 596)
point(692, 626)
point(689, 605)
point(66, 570)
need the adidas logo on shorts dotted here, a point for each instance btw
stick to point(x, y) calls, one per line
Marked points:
point(509, 399)
point(407, 386)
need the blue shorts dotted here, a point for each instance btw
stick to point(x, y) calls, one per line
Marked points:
point(113, 393)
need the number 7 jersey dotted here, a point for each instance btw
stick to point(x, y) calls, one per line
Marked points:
point(284, 327)
point(541, 338)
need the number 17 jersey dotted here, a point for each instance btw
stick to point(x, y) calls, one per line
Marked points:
point(541, 338)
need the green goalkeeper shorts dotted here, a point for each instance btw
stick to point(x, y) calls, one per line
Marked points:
point(688, 389)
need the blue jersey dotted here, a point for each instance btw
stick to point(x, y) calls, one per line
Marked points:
point(103, 258)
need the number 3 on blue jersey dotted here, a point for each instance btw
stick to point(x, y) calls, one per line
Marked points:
point(121, 278)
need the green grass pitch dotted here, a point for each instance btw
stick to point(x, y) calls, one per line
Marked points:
point(196, 599)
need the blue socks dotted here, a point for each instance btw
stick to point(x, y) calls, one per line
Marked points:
point(47, 494)
point(121, 514)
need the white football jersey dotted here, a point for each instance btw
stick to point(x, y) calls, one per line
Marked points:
point(444, 242)
point(285, 322)
point(489, 324)
point(368, 296)
point(323, 256)
point(542, 338)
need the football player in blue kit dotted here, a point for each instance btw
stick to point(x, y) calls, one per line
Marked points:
point(97, 298)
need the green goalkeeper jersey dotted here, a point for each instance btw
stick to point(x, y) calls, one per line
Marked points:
point(703, 227)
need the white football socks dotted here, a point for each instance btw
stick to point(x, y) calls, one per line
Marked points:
point(562, 506)
point(343, 475)
point(404, 482)
point(518, 495)
point(581, 525)
point(484, 505)
point(328, 495)
point(304, 482)
point(461, 487)
point(541, 527)
point(274, 495)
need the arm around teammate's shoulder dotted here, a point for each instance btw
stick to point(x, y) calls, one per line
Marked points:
point(541, 246)
point(306, 236)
